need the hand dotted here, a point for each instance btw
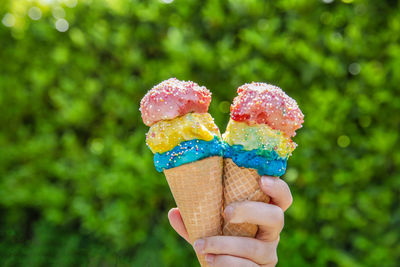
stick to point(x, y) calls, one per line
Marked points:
point(243, 251)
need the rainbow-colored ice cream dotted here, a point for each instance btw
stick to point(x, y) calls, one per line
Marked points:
point(258, 135)
point(181, 130)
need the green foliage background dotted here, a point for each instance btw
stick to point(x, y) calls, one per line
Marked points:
point(77, 182)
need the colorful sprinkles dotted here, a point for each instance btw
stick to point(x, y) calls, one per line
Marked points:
point(262, 103)
point(263, 120)
point(181, 130)
point(173, 98)
point(165, 135)
point(188, 151)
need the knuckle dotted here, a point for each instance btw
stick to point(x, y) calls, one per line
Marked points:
point(245, 204)
point(274, 260)
point(252, 249)
point(262, 253)
point(290, 200)
point(212, 244)
point(209, 244)
point(266, 253)
point(279, 216)
point(240, 209)
point(237, 206)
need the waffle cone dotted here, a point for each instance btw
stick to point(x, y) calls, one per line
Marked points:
point(197, 190)
point(241, 184)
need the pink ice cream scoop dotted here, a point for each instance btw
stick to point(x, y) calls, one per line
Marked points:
point(261, 103)
point(173, 98)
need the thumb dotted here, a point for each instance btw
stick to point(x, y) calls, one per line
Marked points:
point(175, 219)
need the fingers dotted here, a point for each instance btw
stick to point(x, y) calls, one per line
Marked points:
point(278, 190)
point(243, 247)
point(175, 219)
point(268, 217)
point(227, 260)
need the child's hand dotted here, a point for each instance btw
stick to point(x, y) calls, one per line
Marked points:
point(243, 251)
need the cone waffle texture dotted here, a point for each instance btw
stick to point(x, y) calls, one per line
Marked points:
point(197, 190)
point(241, 184)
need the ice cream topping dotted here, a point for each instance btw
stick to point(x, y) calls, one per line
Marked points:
point(165, 135)
point(267, 164)
point(173, 98)
point(261, 103)
point(181, 129)
point(188, 151)
point(258, 135)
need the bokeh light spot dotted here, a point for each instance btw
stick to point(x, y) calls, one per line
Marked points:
point(35, 13)
point(343, 141)
point(327, 1)
point(224, 106)
point(46, 2)
point(365, 121)
point(354, 68)
point(97, 146)
point(337, 36)
point(71, 3)
point(167, 1)
point(62, 25)
point(8, 20)
point(347, 1)
point(291, 175)
point(262, 24)
point(58, 13)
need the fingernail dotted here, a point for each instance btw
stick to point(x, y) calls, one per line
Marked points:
point(199, 245)
point(228, 213)
point(267, 181)
point(210, 258)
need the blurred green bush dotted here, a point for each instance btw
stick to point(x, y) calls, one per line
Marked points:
point(75, 172)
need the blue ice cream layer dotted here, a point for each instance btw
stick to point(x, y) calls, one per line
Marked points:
point(265, 162)
point(187, 152)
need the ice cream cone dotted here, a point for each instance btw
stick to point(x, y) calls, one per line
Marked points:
point(197, 190)
point(187, 147)
point(241, 184)
point(263, 119)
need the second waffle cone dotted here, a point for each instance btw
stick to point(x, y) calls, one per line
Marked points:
point(241, 184)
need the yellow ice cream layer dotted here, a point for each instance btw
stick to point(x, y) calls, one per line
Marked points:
point(165, 135)
point(258, 136)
